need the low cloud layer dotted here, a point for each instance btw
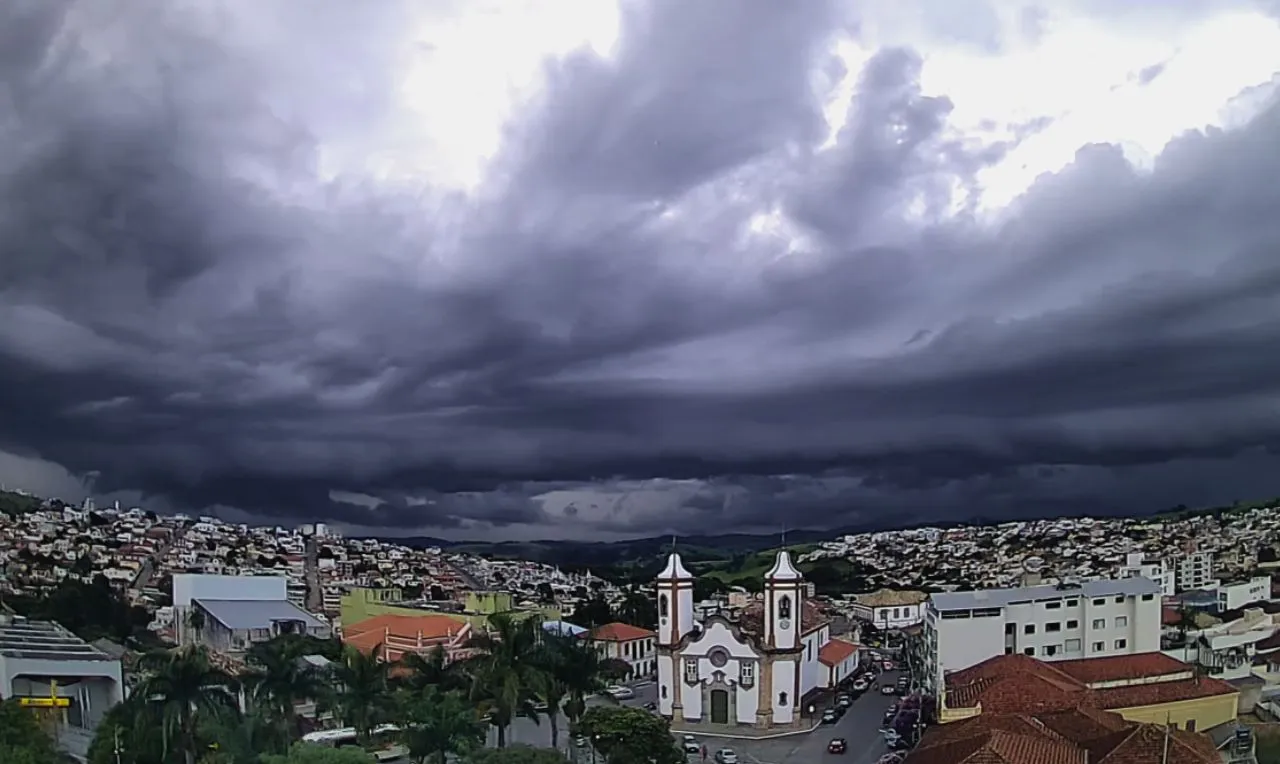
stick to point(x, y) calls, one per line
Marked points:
point(673, 303)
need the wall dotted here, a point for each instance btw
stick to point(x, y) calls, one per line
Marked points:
point(100, 683)
point(1206, 712)
point(664, 685)
point(784, 679)
point(965, 642)
point(188, 586)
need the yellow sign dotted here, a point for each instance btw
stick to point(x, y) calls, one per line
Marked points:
point(45, 702)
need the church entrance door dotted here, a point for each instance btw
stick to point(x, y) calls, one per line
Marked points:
point(719, 707)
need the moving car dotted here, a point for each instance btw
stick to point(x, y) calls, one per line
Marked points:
point(830, 716)
point(690, 745)
point(726, 756)
point(837, 745)
point(859, 685)
point(888, 689)
point(621, 693)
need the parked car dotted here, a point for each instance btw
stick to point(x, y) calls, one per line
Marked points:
point(837, 745)
point(621, 693)
point(844, 701)
point(890, 758)
point(830, 716)
point(651, 706)
point(859, 685)
point(726, 756)
point(888, 689)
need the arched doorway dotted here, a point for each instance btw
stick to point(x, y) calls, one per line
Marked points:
point(719, 707)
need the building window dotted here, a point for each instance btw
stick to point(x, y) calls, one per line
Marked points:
point(1050, 650)
point(1099, 623)
point(691, 670)
point(1072, 646)
point(1122, 621)
point(1121, 644)
point(1010, 629)
point(1147, 597)
point(663, 691)
point(1029, 629)
point(1119, 599)
point(1191, 725)
point(1008, 651)
point(1073, 624)
point(784, 607)
point(1028, 651)
point(1055, 605)
point(782, 699)
point(663, 606)
point(746, 674)
point(1099, 602)
point(1099, 647)
point(1073, 603)
point(1053, 626)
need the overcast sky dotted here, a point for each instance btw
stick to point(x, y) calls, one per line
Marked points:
point(589, 270)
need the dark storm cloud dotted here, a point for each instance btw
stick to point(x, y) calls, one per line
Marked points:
point(594, 342)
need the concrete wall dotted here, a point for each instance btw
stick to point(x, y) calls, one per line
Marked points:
point(1204, 712)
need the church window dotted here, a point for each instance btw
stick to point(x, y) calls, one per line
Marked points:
point(664, 692)
point(782, 699)
point(662, 606)
point(784, 606)
point(746, 673)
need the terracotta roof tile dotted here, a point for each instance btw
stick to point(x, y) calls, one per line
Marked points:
point(1117, 668)
point(836, 651)
point(1160, 692)
point(620, 632)
point(811, 618)
point(431, 626)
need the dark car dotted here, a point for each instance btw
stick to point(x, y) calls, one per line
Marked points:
point(837, 745)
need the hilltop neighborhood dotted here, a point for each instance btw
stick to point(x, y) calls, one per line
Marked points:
point(1068, 635)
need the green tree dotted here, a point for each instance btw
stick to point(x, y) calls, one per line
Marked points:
point(508, 676)
point(131, 726)
point(594, 612)
point(639, 608)
point(306, 753)
point(278, 679)
point(183, 689)
point(582, 670)
point(438, 723)
point(432, 669)
point(22, 741)
point(627, 735)
point(516, 754)
point(364, 693)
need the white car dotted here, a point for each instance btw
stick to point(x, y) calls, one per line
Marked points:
point(621, 693)
point(726, 756)
point(859, 685)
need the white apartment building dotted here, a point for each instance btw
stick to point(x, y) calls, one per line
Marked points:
point(1237, 595)
point(1056, 622)
point(1194, 570)
point(1137, 566)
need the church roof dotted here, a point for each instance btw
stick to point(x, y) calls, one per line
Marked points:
point(783, 569)
point(675, 570)
point(752, 618)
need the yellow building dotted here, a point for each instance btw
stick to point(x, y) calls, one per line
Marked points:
point(362, 604)
point(1144, 687)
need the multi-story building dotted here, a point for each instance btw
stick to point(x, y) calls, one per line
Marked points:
point(230, 613)
point(633, 645)
point(1137, 566)
point(1236, 595)
point(890, 608)
point(1194, 570)
point(1055, 622)
point(69, 683)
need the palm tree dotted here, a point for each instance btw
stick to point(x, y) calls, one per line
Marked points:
point(577, 669)
point(363, 697)
point(508, 677)
point(430, 670)
point(278, 679)
point(438, 723)
point(182, 688)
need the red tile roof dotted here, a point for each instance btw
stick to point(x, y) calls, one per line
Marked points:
point(1118, 668)
point(1170, 616)
point(811, 618)
point(836, 651)
point(1022, 684)
point(620, 632)
point(1074, 736)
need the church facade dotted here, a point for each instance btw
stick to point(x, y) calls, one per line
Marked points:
point(753, 667)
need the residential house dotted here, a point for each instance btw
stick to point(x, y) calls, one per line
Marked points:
point(890, 608)
point(839, 659)
point(632, 645)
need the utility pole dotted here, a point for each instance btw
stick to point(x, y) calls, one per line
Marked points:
point(116, 740)
point(1164, 757)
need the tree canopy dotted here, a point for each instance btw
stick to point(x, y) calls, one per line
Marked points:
point(626, 735)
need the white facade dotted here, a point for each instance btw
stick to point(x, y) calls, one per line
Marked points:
point(1136, 566)
point(1237, 595)
point(1091, 620)
point(1194, 571)
point(720, 671)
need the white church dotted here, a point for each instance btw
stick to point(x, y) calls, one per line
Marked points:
point(749, 668)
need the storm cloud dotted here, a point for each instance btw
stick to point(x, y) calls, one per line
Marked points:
point(678, 299)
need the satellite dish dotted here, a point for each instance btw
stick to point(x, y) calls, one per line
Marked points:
point(1033, 565)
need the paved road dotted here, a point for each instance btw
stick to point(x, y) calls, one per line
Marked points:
point(311, 575)
point(859, 726)
point(147, 570)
